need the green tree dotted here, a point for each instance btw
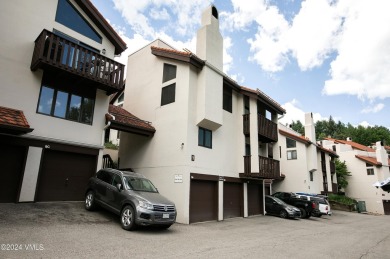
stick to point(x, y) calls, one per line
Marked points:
point(298, 127)
point(342, 173)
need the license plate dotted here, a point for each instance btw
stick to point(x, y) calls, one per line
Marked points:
point(165, 216)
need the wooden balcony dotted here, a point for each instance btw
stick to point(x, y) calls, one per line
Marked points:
point(332, 167)
point(268, 168)
point(55, 53)
point(246, 122)
point(267, 129)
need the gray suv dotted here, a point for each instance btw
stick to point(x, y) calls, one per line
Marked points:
point(130, 195)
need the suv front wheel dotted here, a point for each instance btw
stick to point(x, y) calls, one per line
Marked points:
point(127, 218)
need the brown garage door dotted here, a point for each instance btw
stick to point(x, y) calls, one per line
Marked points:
point(386, 207)
point(232, 200)
point(12, 159)
point(64, 176)
point(255, 199)
point(203, 201)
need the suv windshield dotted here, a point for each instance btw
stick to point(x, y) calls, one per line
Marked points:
point(139, 184)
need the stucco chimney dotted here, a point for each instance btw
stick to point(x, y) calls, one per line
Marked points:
point(381, 154)
point(310, 131)
point(311, 150)
point(209, 41)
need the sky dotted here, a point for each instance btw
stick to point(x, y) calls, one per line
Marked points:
point(328, 57)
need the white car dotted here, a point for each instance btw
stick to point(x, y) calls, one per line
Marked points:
point(321, 201)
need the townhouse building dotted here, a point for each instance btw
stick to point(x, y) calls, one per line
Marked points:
point(306, 165)
point(215, 141)
point(57, 71)
point(368, 165)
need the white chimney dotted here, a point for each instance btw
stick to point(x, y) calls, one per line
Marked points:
point(209, 41)
point(311, 150)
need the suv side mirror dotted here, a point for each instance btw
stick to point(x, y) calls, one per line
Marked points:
point(119, 186)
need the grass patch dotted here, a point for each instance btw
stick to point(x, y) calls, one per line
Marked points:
point(342, 199)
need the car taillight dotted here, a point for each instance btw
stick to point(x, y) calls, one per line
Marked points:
point(326, 208)
point(313, 205)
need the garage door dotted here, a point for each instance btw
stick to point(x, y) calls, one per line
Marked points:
point(255, 199)
point(386, 207)
point(203, 200)
point(12, 159)
point(64, 176)
point(232, 200)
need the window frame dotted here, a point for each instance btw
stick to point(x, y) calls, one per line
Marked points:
point(164, 93)
point(202, 142)
point(227, 99)
point(69, 94)
point(165, 77)
point(292, 156)
point(370, 169)
point(291, 143)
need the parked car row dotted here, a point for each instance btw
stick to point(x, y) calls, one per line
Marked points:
point(294, 205)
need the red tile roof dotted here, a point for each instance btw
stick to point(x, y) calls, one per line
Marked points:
point(352, 144)
point(125, 118)
point(12, 119)
point(369, 160)
point(295, 137)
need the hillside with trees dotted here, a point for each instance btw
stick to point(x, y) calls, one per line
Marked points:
point(338, 130)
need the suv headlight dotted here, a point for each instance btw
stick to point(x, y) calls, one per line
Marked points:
point(289, 209)
point(146, 205)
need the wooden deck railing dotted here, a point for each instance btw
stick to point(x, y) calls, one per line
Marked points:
point(268, 168)
point(267, 129)
point(56, 51)
point(108, 162)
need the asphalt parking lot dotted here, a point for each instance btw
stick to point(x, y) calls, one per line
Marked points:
point(66, 230)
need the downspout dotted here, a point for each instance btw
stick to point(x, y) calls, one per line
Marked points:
point(106, 127)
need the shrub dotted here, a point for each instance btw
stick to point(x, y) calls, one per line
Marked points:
point(342, 199)
point(109, 145)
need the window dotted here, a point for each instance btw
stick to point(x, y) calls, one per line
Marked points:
point(205, 138)
point(66, 101)
point(311, 176)
point(247, 146)
point(290, 143)
point(227, 99)
point(246, 105)
point(291, 154)
point(104, 176)
point(121, 98)
point(169, 72)
point(168, 94)
point(370, 171)
point(69, 16)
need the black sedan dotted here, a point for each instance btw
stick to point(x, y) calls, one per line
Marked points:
point(275, 206)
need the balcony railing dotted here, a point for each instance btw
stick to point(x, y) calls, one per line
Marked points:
point(268, 168)
point(246, 122)
point(332, 167)
point(54, 51)
point(268, 130)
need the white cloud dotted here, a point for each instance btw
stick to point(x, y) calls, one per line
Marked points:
point(157, 14)
point(374, 109)
point(355, 33)
point(295, 113)
point(363, 61)
point(138, 15)
point(133, 44)
point(364, 124)
point(227, 58)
